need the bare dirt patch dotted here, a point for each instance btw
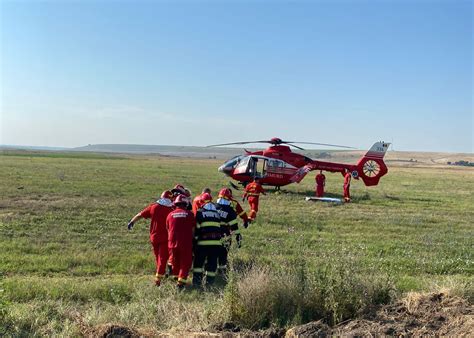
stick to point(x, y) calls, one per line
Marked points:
point(109, 331)
point(112, 330)
point(435, 314)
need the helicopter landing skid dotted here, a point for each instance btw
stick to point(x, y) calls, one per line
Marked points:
point(234, 186)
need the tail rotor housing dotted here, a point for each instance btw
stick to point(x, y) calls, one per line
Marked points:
point(371, 166)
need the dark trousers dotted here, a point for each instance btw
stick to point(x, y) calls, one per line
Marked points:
point(224, 252)
point(205, 260)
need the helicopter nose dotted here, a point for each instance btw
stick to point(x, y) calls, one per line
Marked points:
point(224, 169)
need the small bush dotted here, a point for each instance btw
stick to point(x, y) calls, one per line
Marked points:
point(265, 298)
point(260, 298)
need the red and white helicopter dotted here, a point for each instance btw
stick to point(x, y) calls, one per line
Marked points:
point(279, 166)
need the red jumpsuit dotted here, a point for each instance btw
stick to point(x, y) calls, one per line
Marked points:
point(239, 210)
point(347, 184)
point(197, 203)
point(320, 183)
point(180, 224)
point(252, 192)
point(158, 233)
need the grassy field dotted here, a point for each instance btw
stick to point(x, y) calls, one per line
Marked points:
point(69, 265)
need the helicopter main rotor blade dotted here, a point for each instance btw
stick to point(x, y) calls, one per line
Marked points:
point(320, 144)
point(277, 141)
point(235, 143)
point(294, 146)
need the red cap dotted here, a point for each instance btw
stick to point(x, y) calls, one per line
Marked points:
point(225, 193)
point(166, 194)
point(206, 197)
point(180, 199)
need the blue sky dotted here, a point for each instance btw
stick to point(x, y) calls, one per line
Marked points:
point(202, 72)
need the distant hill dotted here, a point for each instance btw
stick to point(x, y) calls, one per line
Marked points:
point(8, 146)
point(397, 158)
point(181, 151)
point(186, 151)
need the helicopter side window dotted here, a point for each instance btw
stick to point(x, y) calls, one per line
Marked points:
point(276, 164)
point(272, 163)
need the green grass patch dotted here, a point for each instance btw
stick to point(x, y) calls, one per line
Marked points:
point(65, 252)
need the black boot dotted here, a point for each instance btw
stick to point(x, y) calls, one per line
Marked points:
point(210, 280)
point(197, 279)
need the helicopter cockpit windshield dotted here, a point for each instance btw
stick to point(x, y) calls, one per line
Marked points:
point(230, 164)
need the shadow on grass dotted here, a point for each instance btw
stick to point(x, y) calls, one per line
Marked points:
point(392, 198)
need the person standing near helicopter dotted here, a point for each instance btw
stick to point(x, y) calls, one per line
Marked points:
point(252, 193)
point(347, 185)
point(320, 183)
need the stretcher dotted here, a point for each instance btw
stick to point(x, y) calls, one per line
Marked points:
point(324, 199)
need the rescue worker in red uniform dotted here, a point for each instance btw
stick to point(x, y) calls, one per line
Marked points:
point(320, 183)
point(347, 185)
point(177, 190)
point(197, 202)
point(252, 193)
point(208, 239)
point(180, 224)
point(239, 210)
point(158, 212)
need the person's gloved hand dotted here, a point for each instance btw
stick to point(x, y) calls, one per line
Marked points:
point(130, 225)
point(246, 224)
point(238, 238)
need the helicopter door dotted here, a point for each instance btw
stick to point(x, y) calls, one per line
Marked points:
point(257, 167)
point(243, 167)
point(261, 168)
point(252, 166)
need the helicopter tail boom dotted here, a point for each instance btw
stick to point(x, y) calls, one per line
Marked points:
point(370, 168)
